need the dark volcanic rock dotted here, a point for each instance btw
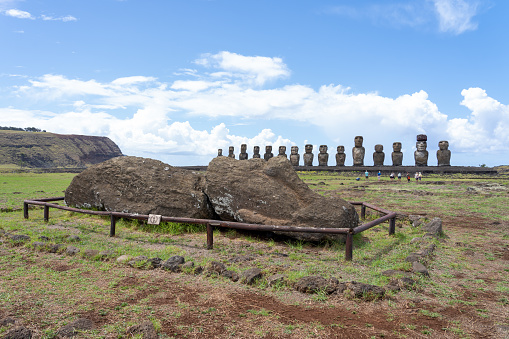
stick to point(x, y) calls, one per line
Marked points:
point(80, 324)
point(140, 185)
point(270, 192)
point(146, 329)
point(315, 284)
point(18, 333)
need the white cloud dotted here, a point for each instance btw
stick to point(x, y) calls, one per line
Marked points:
point(253, 69)
point(455, 16)
point(145, 116)
point(486, 129)
point(66, 18)
point(16, 13)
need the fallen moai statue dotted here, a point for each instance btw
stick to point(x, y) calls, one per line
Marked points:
point(251, 191)
point(140, 185)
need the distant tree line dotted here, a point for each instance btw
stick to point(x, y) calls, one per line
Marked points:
point(26, 129)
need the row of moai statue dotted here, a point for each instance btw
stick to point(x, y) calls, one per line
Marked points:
point(358, 153)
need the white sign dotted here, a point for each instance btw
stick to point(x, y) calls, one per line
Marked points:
point(154, 219)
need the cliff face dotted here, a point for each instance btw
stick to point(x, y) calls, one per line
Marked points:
point(47, 150)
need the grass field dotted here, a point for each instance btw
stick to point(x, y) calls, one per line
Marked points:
point(465, 296)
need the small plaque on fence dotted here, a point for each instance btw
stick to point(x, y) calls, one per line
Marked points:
point(154, 219)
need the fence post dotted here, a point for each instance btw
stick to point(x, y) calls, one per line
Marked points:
point(210, 237)
point(46, 213)
point(113, 221)
point(392, 226)
point(363, 211)
point(25, 210)
point(349, 246)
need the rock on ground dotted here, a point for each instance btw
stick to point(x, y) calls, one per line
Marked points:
point(271, 193)
point(140, 185)
point(315, 284)
point(71, 329)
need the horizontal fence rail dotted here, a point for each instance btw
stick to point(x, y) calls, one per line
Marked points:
point(210, 224)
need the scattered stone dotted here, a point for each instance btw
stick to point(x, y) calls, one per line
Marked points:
point(363, 291)
point(412, 257)
point(146, 329)
point(20, 238)
point(240, 258)
point(216, 267)
point(276, 279)
point(20, 332)
point(232, 275)
point(417, 267)
point(271, 193)
point(71, 250)
point(90, 254)
point(155, 262)
point(44, 238)
point(70, 330)
point(416, 220)
point(123, 259)
point(400, 283)
point(105, 255)
point(427, 250)
point(56, 248)
point(198, 270)
point(73, 238)
point(174, 263)
point(316, 284)
point(434, 227)
point(7, 321)
point(140, 185)
point(39, 246)
point(251, 275)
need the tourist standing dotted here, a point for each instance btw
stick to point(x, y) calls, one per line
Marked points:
point(391, 176)
point(408, 177)
point(379, 175)
point(399, 176)
point(416, 176)
point(366, 174)
point(420, 176)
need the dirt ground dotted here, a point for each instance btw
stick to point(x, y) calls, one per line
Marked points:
point(184, 305)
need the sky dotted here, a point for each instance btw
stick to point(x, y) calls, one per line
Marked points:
point(175, 80)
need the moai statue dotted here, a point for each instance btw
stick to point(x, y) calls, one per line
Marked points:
point(294, 156)
point(282, 151)
point(421, 155)
point(243, 152)
point(268, 153)
point(379, 155)
point(323, 156)
point(220, 152)
point(256, 152)
point(358, 152)
point(308, 156)
point(397, 155)
point(231, 149)
point(444, 154)
point(340, 156)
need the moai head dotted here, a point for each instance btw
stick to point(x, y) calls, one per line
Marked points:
point(231, 149)
point(323, 149)
point(220, 152)
point(294, 150)
point(379, 148)
point(421, 146)
point(358, 141)
point(256, 150)
point(396, 146)
point(268, 149)
point(308, 148)
point(422, 137)
point(443, 145)
point(243, 148)
point(282, 150)
point(341, 149)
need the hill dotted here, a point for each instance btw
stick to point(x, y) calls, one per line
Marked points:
point(50, 150)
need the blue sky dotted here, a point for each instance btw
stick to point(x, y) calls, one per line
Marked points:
point(175, 80)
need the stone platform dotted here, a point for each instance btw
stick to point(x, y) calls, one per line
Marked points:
point(386, 170)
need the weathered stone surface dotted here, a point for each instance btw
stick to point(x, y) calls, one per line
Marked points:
point(140, 185)
point(80, 324)
point(251, 275)
point(232, 275)
point(434, 227)
point(19, 332)
point(444, 154)
point(323, 156)
point(173, 263)
point(400, 284)
point(56, 248)
point(315, 284)
point(44, 238)
point(73, 238)
point(392, 273)
point(276, 279)
point(71, 250)
point(354, 289)
point(378, 155)
point(123, 259)
point(308, 156)
point(138, 261)
point(397, 155)
point(20, 238)
point(146, 329)
point(417, 267)
point(90, 254)
point(38, 245)
point(340, 156)
point(216, 267)
point(421, 154)
point(271, 193)
point(358, 151)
